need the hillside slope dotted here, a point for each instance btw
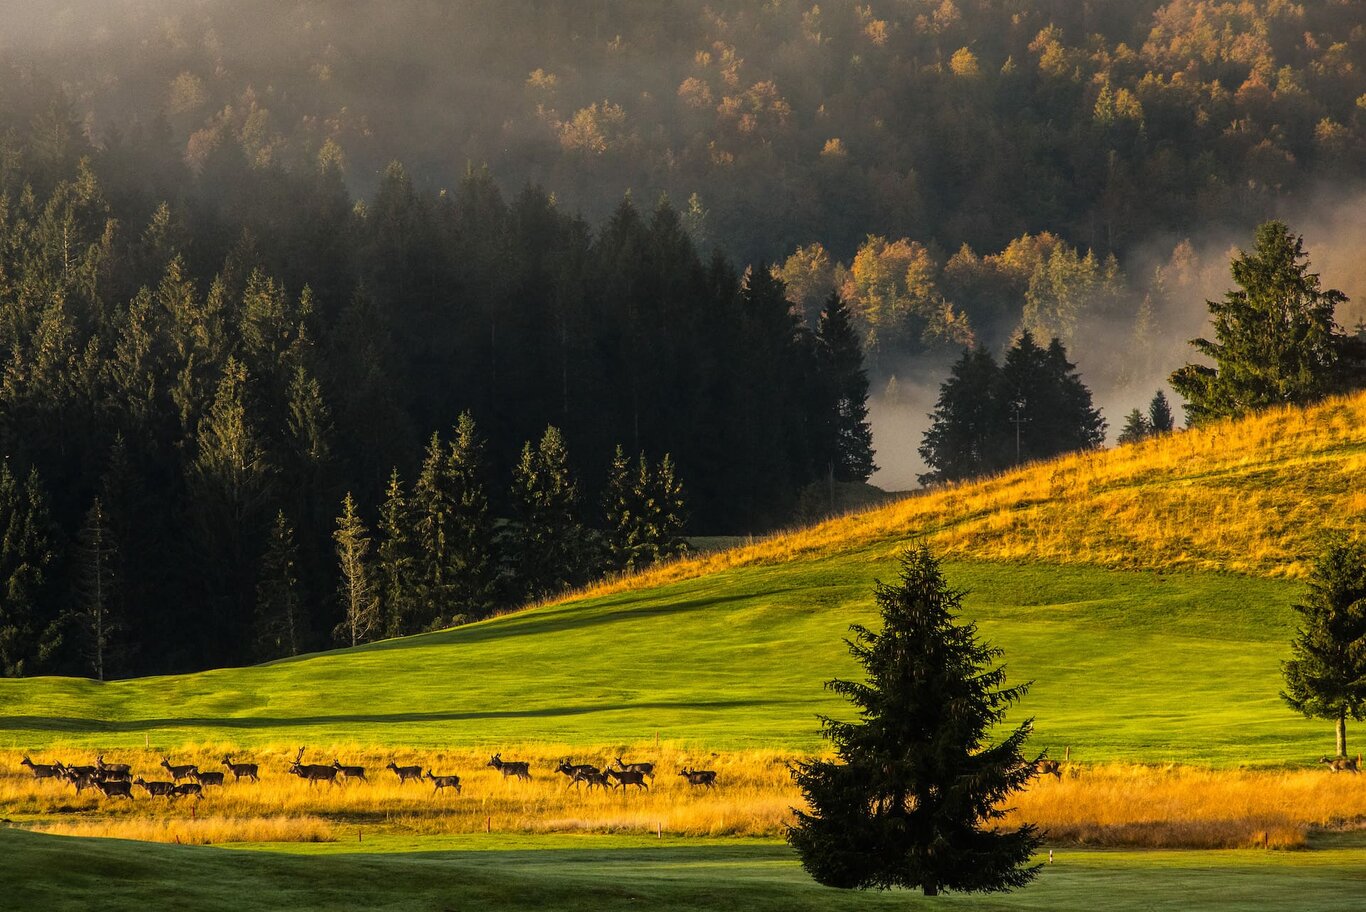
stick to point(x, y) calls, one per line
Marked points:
point(1095, 572)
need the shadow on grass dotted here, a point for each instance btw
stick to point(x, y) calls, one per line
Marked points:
point(74, 723)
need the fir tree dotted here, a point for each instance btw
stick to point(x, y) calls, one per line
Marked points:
point(280, 624)
point(1160, 414)
point(26, 554)
point(548, 540)
point(431, 511)
point(97, 617)
point(1136, 427)
point(395, 563)
point(360, 607)
point(909, 801)
point(472, 572)
point(622, 510)
point(670, 508)
point(965, 437)
point(1325, 678)
point(1275, 339)
point(850, 454)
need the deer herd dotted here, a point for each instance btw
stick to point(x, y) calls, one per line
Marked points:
point(115, 780)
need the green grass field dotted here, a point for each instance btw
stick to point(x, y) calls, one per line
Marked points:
point(1126, 665)
point(601, 874)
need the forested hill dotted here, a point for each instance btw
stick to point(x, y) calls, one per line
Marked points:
point(948, 121)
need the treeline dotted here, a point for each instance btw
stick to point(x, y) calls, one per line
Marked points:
point(951, 121)
point(187, 398)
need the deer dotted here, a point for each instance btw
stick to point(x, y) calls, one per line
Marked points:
point(1044, 767)
point(155, 789)
point(108, 768)
point(699, 777)
point(207, 777)
point(239, 770)
point(73, 771)
point(405, 773)
point(628, 777)
point(42, 770)
point(115, 788)
point(186, 788)
point(519, 768)
point(113, 776)
point(82, 783)
point(179, 772)
point(646, 768)
point(349, 772)
point(577, 772)
point(1342, 764)
point(594, 778)
point(443, 782)
point(313, 772)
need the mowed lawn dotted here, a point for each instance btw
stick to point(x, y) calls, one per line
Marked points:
point(1133, 665)
point(600, 874)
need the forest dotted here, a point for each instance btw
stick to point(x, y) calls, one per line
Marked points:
point(267, 267)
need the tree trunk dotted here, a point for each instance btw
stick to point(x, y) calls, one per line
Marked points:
point(1342, 734)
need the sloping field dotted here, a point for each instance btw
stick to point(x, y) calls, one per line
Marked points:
point(1144, 590)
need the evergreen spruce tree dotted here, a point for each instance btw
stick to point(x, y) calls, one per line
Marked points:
point(472, 573)
point(548, 549)
point(96, 617)
point(395, 563)
point(1275, 339)
point(622, 510)
point(431, 512)
point(670, 510)
point(1160, 414)
point(280, 622)
point(916, 782)
point(1136, 427)
point(360, 607)
point(967, 430)
point(850, 455)
point(1325, 678)
point(26, 554)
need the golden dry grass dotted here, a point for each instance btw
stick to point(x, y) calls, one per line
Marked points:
point(1246, 496)
point(1106, 805)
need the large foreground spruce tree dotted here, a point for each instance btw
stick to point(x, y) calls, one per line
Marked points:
point(916, 784)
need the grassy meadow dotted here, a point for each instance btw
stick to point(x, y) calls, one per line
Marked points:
point(1145, 591)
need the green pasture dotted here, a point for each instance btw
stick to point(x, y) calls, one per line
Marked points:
point(1145, 666)
point(601, 874)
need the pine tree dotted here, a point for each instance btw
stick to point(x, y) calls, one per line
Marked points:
point(395, 564)
point(909, 801)
point(622, 510)
point(548, 550)
point(1160, 414)
point(968, 425)
point(26, 554)
point(472, 570)
point(360, 607)
point(1275, 339)
point(97, 616)
point(850, 455)
point(670, 511)
point(431, 511)
point(1136, 427)
point(280, 623)
point(1325, 678)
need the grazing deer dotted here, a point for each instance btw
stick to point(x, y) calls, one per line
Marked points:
point(107, 768)
point(699, 777)
point(1341, 764)
point(519, 768)
point(1048, 768)
point(628, 777)
point(637, 767)
point(42, 770)
point(155, 789)
point(313, 772)
point(115, 788)
point(186, 788)
point(350, 772)
point(405, 773)
point(577, 772)
point(179, 772)
point(207, 777)
point(239, 770)
point(442, 782)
